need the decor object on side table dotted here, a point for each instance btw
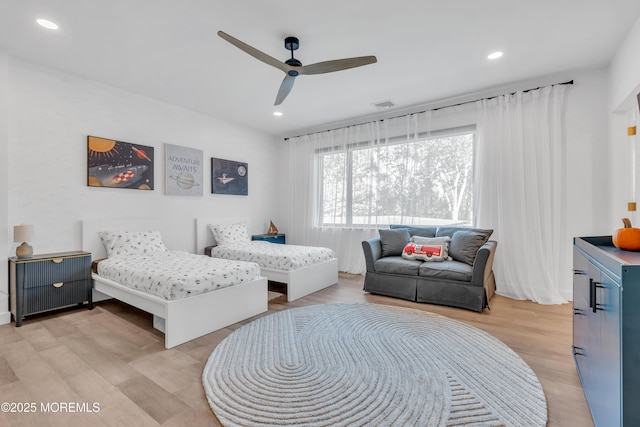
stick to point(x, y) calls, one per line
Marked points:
point(49, 281)
point(369, 365)
point(627, 238)
point(272, 228)
point(22, 233)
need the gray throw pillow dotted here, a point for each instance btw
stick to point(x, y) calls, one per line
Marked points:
point(449, 231)
point(393, 241)
point(422, 231)
point(465, 244)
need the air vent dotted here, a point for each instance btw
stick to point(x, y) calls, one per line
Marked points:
point(384, 104)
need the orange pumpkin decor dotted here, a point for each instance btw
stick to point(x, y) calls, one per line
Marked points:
point(627, 238)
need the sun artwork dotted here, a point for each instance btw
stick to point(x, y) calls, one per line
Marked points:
point(101, 147)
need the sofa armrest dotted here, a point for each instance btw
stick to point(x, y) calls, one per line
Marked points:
point(483, 265)
point(372, 252)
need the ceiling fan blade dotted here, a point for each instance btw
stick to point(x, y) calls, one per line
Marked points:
point(261, 56)
point(336, 65)
point(285, 88)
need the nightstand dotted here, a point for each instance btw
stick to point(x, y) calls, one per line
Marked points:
point(49, 281)
point(273, 238)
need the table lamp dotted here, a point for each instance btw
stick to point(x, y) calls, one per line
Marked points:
point(23, 233)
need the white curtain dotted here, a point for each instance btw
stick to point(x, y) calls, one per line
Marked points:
point(520, 188)
point(392, 178)
point(303, 227)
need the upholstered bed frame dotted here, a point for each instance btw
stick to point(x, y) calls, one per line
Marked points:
point(300, 282)
point(183, 319)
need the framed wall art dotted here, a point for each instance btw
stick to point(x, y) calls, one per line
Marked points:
point(119, 164)
point(229, 177)
point(183, 171)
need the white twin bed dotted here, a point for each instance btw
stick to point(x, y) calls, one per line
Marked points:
point(304, 269)
point(152, 264)
point(203, 294)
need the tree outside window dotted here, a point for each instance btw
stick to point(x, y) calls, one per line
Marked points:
point(427, 182)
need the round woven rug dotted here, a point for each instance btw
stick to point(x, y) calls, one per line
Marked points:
point(369, 365)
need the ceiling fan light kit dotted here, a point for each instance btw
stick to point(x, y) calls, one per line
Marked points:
point(292, 67)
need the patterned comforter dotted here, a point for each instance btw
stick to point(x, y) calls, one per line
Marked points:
point(175, 274)
point(273, 255)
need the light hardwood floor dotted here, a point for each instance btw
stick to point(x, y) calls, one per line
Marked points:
point(113, 357)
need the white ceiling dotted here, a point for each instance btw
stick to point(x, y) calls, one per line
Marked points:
point(427, 50)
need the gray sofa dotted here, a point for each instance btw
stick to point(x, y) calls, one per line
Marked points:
point(464, 280)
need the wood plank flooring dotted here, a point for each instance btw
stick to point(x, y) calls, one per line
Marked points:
point(112, 357)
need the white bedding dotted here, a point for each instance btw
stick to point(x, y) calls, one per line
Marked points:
point(176, 274)
point(272, 255)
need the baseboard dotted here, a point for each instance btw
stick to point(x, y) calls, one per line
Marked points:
point(5, 316)
point(568, 295)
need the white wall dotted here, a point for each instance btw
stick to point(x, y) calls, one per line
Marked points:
point(624, 85)
point(51, 114)
point(625, 71)
point(4, 211)
point(588, 183)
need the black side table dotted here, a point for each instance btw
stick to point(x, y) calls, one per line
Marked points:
point(273, 238)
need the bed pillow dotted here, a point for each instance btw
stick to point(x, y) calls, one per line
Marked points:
point(230, 233)
point(465, 244)
point(393, 241)
point(126, 243)
point(427, 249)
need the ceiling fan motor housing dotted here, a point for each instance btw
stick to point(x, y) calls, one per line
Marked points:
point(291, 43)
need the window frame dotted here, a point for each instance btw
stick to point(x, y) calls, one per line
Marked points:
point(349, 148)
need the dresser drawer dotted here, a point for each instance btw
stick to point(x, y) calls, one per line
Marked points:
point(56, 270)
point(60, 294)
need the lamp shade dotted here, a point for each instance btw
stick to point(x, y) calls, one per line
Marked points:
point(23, 233)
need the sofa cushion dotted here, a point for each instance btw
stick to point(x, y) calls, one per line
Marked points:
point(417, 231)
point(465, 244)
point(393, 241)
point(427, 248)
point(449, 231)
point(446, 270)
point(397, 265)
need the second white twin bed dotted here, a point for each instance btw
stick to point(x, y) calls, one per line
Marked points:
point(304, 269)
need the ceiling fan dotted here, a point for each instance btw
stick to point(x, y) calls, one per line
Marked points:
point(292, 67)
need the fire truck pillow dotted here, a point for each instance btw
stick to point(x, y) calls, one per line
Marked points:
point(427, 249)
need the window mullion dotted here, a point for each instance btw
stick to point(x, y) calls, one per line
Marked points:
point(349, 187)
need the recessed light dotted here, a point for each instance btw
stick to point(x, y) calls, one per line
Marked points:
point(47, 24)
point(277, 113)
point(495, 55)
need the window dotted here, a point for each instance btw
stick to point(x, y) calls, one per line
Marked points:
point(426, 181)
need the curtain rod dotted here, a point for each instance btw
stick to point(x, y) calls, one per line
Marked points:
point(570, 82)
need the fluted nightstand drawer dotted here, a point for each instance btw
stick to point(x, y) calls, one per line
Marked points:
point(57, 269)
point(56, 295)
